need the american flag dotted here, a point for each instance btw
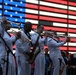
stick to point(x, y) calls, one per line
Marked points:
point(56, 15)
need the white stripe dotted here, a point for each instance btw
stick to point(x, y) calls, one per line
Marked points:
point(31, 11)
point(59, 24)
point(72, 35)
point(32, 1)
point(72, 8)
point(72, 17)
point(50, 13)
point(70, 44)
point(60, 33)
point(32, 21)
point(53, 5)
point(72, 26)
point(46, 13)
point(57, 5)
point(53, 14)
point(64, 25)
point(63, 34)
point(57, 15)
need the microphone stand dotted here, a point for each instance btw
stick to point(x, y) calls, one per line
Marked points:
point(8, 51)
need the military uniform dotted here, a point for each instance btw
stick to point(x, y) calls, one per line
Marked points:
point(3, 50)
point(11, 63)
point(2, 47)
point(55, 55)
point(40, 59)
point(24, 68)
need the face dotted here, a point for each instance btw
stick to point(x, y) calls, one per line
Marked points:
point(41, 28)
point(4, 19)
point(28, 27)
point(46, 50)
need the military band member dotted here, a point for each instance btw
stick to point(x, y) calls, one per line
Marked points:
point(23, 46)
point(2, 45)
point(55, 54)
point(9, 41)
point(40, 59)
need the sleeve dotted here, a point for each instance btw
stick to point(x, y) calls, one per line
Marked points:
point(54, 43)
point(42, 41)
point(10, 40)
point(34, 38)
point(1, 30)
point(20, 46)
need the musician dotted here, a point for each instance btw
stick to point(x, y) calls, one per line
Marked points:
point(23, 46)
point(40, 59)
point(55, 54)
point(9, 41)
point(2, 45)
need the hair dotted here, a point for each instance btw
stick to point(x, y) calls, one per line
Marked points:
point(27, 23)
point(39, 26)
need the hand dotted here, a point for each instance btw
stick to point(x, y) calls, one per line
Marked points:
point(68, 39)
point(18, 35)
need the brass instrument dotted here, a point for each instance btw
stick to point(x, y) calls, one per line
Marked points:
point(34, 52)
point(33, 56)
point(23, 38)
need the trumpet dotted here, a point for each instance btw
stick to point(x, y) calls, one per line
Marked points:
point(61, 35)
point(23, 38)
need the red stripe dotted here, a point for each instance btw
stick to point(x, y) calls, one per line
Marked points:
point(62, 2)
point(58, 1)
point(61, 48)
point(72, 30)
point(70, 48)
point(55, 10)
point(46, 18)
point(65, 48)
point(54, 19)
point(57, 29)
point(73, 39)
point(32, 16)
point(50, 9)
point(33, 6)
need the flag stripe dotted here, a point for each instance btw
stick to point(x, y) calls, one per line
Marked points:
point(54, 24)
point(62, 2)
point(32, 11)
point(33, 1)
point(51, 9)
point(53, 5)
point(33, 6)
point(46, 18)
point(70, 48)
point(58, 29)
